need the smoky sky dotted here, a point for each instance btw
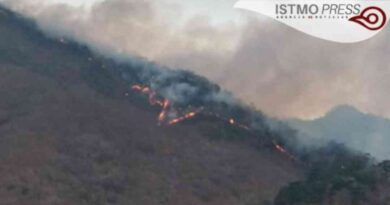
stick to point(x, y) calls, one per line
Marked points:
point(281, 71)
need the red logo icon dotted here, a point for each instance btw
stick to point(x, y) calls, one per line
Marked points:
point(372, 18)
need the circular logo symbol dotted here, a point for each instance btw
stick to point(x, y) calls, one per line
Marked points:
point(372, 18)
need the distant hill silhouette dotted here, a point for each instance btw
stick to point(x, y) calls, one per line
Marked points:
point(345, 124)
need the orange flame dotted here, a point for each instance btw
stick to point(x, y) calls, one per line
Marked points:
point(233, 122)
point(166, 105)
point(146, 90)
point(185, 117)
point(284, 151)
point(136, 87)
point(163, 113)
point(280, 149)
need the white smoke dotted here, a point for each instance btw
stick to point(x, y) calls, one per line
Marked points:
point(283, 72)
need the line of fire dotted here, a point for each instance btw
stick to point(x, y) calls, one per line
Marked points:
point(171, 116)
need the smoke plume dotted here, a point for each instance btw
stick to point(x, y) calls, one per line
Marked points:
point(277, 69)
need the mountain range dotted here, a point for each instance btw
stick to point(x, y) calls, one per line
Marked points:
point(82, 129)
point(345, 124)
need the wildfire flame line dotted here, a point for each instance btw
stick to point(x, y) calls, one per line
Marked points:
point(165, 105)
point(233, 122)
point(284, 151)
point(185, 117)
point(164, 111)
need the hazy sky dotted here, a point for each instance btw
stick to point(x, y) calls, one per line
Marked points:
point(281, 71)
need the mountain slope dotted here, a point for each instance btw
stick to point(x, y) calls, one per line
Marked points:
point(76, 129)
point(72, 132)
point(347, 125)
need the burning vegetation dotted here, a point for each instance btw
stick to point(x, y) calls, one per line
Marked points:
point(102, 163)
point(330, 170)
point(168, 115)
point(171, 115)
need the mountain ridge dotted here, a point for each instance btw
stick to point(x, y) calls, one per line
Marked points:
point(346, 124)
point(73, 132)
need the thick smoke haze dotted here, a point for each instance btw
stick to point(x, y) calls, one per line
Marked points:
point(281, 71)
point(346, 125)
